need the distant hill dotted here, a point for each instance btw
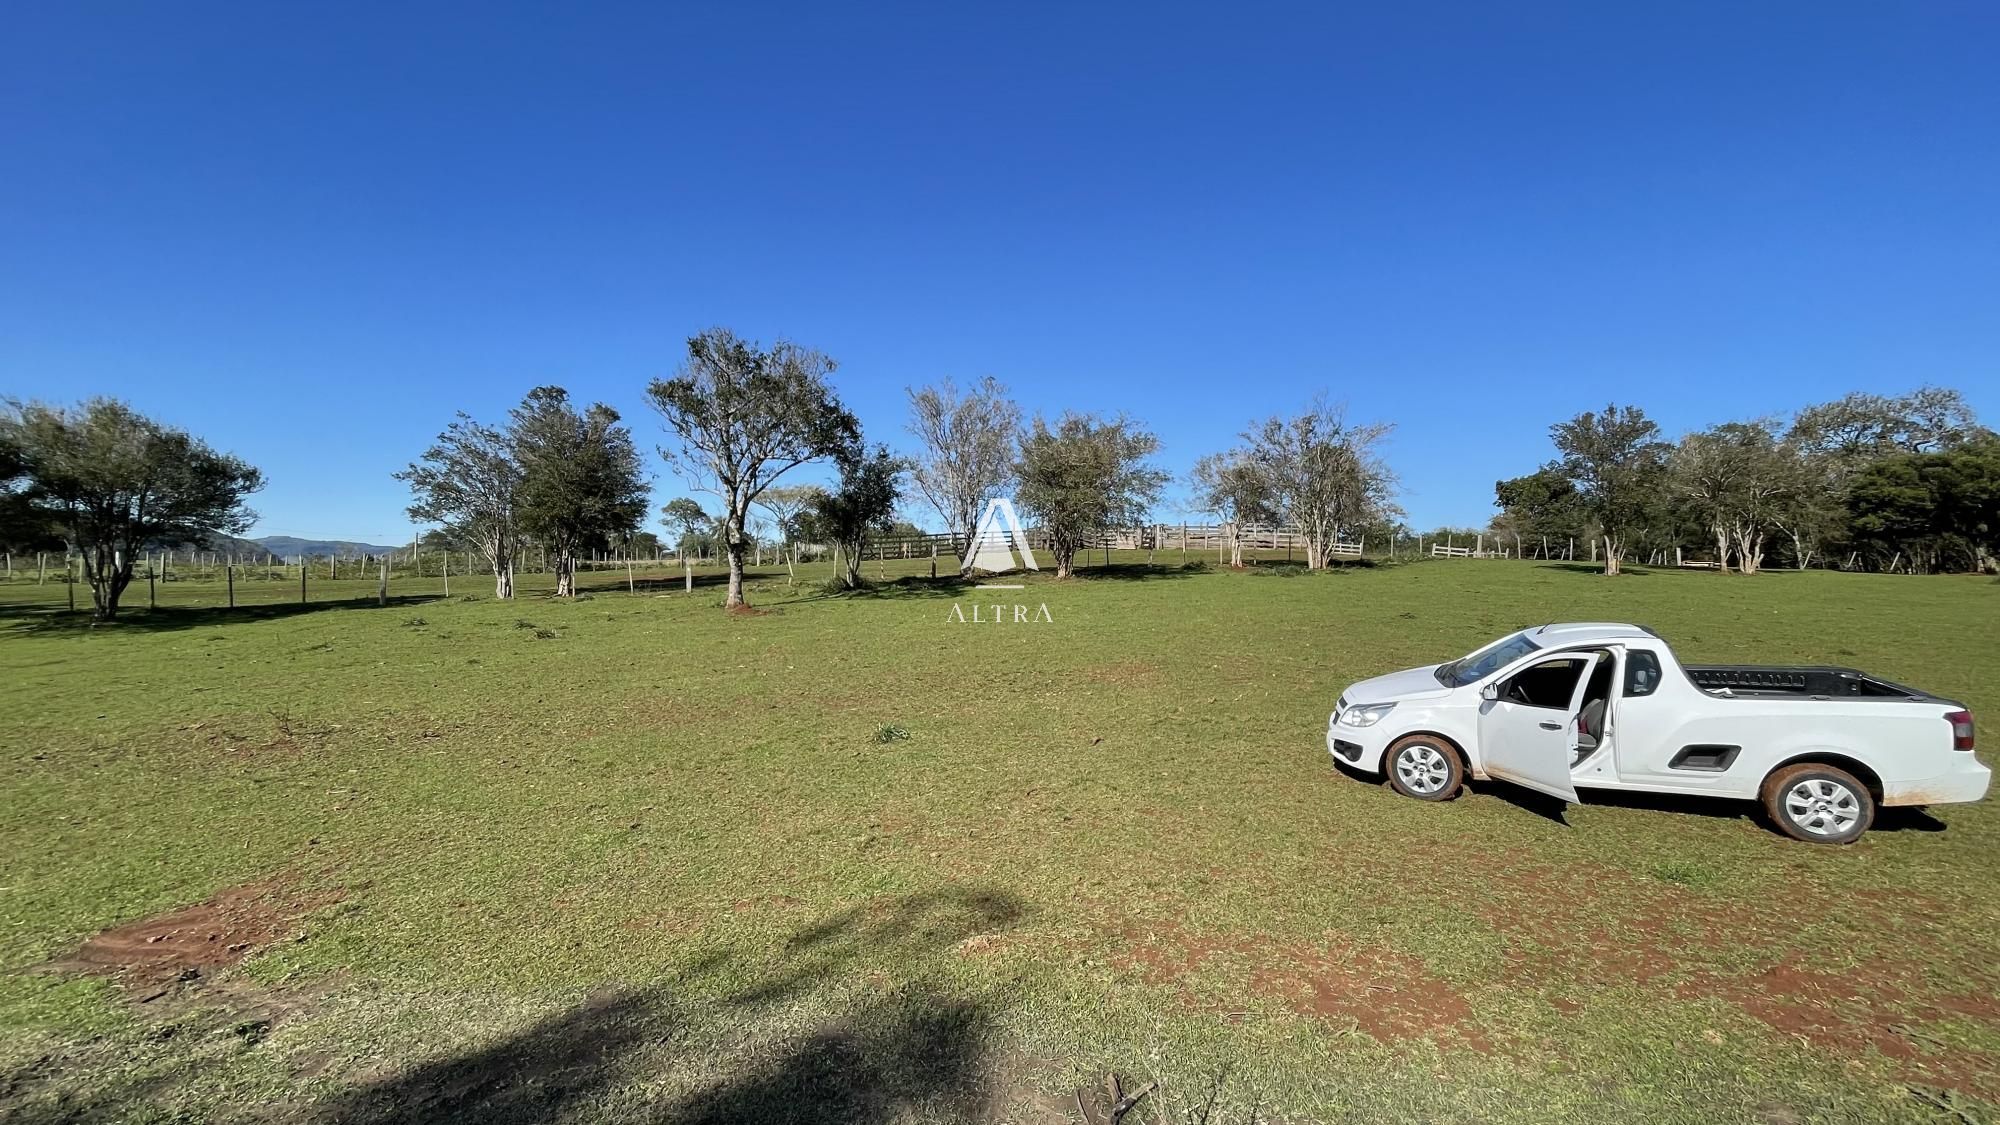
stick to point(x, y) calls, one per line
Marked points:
point(287, 545)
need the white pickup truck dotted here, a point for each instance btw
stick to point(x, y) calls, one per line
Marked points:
point(1605, 706)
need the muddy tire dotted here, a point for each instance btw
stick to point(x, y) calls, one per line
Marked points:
point(1424, 766)
point(1818, 804)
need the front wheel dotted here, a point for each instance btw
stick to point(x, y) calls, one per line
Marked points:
point(1425, 767)
point(1818, 804)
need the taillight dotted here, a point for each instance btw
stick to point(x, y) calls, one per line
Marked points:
point(1961, 729)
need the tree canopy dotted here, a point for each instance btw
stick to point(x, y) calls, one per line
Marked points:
point(1617, 463)
point(113, 482)
point(1084, 476)
point(581, 484)
point(742, 416)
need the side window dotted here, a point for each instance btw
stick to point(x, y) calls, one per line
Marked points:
point(1551, 683)
point(1642, 673)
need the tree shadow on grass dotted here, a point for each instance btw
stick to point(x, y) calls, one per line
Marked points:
point(1595, 568)
point(1138, 572)
point(608, 583)
point(913, 1052)
point(910, 586)
point(35, 619)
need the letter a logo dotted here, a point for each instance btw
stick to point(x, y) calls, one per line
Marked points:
point(998, 538)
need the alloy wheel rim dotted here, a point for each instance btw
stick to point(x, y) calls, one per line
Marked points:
point(1822, 806)
point(1422, 768)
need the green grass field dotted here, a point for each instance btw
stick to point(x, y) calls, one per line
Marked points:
point(628, 858)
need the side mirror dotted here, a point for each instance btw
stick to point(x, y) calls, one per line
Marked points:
point(1490, 692)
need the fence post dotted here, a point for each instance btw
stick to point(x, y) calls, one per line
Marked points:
point(41, 567)
point(229, 571)
point(933, 560)
point(69, 580)
point(302, 580)
point(152, 596)
point(687, 573)
point(447, 573)
point(630, 586)
point(382, 591)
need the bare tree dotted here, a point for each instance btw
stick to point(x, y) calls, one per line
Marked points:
point(1232, 487)
point(470, 483)
point(968, 441)
point(1706, 472)
point(1323, 473)
point(745, 416)
point(785, 503)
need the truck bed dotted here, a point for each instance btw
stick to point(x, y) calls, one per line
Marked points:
point(1770, 681)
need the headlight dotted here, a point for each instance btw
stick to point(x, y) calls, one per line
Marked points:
point(1367, 715)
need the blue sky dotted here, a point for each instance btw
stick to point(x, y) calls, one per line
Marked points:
point(311, 233)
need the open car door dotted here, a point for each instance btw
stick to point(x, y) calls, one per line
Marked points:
point(1524, 725)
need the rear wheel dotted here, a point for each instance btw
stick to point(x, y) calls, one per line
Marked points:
point(1818, 804)
point(1425, 767)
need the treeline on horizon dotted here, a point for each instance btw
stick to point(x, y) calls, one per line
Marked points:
point(1908, 482)
point(1875, 482)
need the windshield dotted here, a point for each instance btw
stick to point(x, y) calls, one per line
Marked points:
point(1486, 661)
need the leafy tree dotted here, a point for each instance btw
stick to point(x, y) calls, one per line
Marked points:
point(1323, 474)
point(690, 522)
point(967, 457)
point(113, 481)
point(1234, 488)
point(1543, 505)
point(1860, 427)
point(1931, 508)
point(24, 526)
point(1083, 476)
point(744, 416)
point(862, 501)
point(469, 482)
point(1833, 442)
point(1617, 464)
point(581, 485)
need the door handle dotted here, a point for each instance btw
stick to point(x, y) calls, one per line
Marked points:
point(1552, 726)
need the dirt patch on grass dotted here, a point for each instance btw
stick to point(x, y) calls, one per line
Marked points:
point(1390, 995)
point(1585, 926)
point(194, 941)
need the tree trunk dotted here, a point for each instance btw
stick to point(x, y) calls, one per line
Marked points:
point(502, 558)
point(965, 555)
point(1612, 549)
point(1749, 549)
point(737, 547)
point(1065, 558)
point(109, 572)
point(565, 575)
point(853, 554)
point(1721, 548)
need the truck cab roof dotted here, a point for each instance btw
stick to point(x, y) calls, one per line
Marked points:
point(1561, 633)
